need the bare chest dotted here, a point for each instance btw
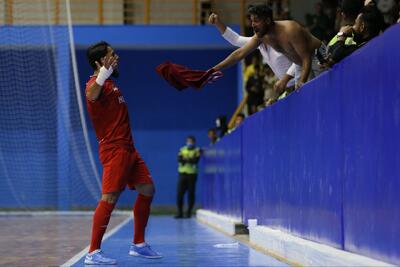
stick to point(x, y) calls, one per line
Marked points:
point(282, 45)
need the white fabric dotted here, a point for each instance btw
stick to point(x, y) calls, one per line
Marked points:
point(292, 70)
point(278, 62)
point(103, 75)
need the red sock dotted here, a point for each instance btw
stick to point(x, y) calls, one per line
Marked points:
point(101, 218)
point(141, 212)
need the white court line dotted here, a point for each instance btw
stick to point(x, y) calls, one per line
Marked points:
point(81, 254)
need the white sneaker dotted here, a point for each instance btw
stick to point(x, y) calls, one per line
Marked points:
point(145, 252)
point(97, 258)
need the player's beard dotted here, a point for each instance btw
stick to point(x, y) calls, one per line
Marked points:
point(115, 73)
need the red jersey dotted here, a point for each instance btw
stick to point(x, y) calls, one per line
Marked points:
point(109, 115)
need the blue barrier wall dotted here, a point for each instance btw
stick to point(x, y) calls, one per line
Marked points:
point(292, 153)
point(323, 164)
point(371, 167)
point(222, 176)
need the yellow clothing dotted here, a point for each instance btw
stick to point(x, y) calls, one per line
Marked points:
point(248, 72)
point(188, 159)
point(349, 41)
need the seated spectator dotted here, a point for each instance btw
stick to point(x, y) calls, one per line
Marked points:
point(212, 136)
point(367, 26)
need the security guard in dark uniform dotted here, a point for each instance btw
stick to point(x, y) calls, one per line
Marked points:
point(188, 159)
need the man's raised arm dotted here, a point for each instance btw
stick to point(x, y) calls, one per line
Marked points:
point(227, 33)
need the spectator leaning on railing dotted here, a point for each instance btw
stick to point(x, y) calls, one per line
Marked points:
point(287, 37)
point(278, 62)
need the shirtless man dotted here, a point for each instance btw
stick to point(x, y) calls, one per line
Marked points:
point(279, 63)
point(286, 37)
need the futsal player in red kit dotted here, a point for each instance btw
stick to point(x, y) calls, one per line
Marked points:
point(122, 164)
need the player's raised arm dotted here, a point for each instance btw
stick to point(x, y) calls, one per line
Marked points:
point(238, 54)
point(103, 72)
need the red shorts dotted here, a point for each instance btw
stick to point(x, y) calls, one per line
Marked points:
point(123, 167)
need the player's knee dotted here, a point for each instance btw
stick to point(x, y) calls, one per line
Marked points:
point(150, 190)
point(146, 189)
point(111, 198)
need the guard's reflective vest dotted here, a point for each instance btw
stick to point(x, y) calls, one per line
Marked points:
point(191, 155)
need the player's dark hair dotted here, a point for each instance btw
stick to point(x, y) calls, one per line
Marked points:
point(96, 52)
point(351, 8)
point(373, 20)
point(191, 137)
point(241, 115)
point(261, 11)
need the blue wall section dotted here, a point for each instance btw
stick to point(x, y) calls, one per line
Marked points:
point(323, 163)
point(292, 154)
point(222, 176)
point(372, 149)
